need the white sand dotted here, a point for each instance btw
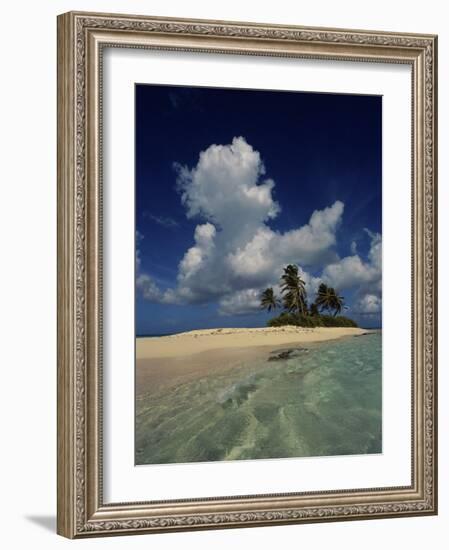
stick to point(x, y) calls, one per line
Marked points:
point(198, 341)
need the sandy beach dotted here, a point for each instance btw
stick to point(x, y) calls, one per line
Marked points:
point(197, 341)
point(168, 360)
point(234, 394)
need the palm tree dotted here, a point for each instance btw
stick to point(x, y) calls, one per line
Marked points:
point(269, 300)
point(294, 290)
point(337, 302)
point(324, 297)
point(328, 299)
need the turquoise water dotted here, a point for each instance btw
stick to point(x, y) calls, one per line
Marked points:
point(320, 400)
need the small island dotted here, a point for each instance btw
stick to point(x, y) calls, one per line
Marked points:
point(297, 312)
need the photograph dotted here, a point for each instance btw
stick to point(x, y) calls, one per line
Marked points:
point(222, 252)
point(258, 274)
point(246, 273)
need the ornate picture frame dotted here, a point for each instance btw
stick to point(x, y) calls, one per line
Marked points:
point(82, 38)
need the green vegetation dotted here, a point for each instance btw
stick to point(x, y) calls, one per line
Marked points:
point(293, 289)
point(328, 299)
point(310, 321)
point(269, 300)
point(294, 301)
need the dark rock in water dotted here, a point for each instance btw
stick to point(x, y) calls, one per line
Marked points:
point(282, 355)
point(364, 334)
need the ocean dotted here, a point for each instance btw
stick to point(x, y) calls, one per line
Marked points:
point(322, 399)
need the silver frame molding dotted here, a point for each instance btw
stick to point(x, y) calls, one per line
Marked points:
point(81, 39)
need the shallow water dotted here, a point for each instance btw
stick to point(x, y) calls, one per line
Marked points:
point(324, 400)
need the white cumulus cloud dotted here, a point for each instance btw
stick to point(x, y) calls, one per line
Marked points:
point(241, 302)
point(308, 245)
point(149, 289)
point(365, 276)
point(368, 304)
point(353, 271)
point(235, 253)
point(225, 188)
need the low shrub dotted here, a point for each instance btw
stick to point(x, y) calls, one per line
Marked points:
point(338, 321)
point(311, 321)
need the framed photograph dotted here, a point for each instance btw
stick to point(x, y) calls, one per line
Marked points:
point(246, 274)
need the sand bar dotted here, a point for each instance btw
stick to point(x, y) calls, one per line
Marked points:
point(170, 360)
point(197, 341)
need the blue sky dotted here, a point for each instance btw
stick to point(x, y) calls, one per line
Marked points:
point(231, 185)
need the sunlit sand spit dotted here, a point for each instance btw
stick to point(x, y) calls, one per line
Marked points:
point(196, 341)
